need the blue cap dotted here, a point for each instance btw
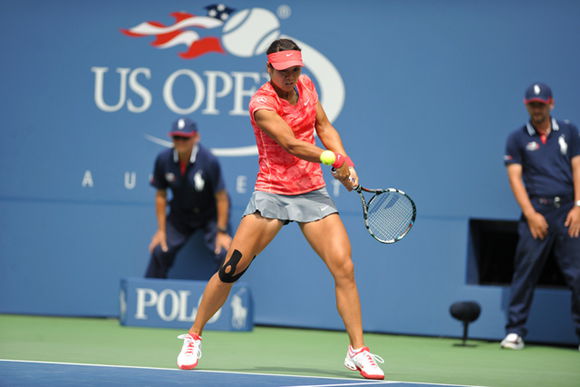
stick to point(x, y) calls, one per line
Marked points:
point(538, 92)
point(183, 127)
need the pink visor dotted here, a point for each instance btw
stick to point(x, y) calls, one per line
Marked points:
point(282, 60)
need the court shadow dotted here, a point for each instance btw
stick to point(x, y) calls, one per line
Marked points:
point(302, 371)
point(464, 345)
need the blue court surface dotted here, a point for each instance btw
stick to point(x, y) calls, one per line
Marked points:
point(15, 373)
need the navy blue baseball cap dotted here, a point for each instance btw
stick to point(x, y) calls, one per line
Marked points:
point(538, 92)
point(183, 127)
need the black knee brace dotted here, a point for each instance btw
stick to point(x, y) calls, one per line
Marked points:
point(232, 264)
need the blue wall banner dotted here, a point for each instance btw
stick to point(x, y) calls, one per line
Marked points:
point(423, 93)
point(173, 304)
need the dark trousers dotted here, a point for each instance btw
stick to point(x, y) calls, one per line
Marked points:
point(531, 255)
point(177, 235)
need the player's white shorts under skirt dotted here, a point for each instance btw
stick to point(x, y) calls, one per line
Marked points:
point(303, 208)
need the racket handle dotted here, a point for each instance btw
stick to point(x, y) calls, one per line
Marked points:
point(357, 188)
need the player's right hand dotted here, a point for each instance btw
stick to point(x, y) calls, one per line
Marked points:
point(353, 177)
point(342, 174)
point(538, 225)
point(160, 238)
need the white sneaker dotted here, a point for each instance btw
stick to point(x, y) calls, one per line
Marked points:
point(364, 362)
point(512, 341)
point(190, 352)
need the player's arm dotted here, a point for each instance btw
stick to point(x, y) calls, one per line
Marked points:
point(160, 236)
point(223, 239)
point(573, 218)
point(275, 127)
point(327, 134)
point(536, 221)
point(330, 137)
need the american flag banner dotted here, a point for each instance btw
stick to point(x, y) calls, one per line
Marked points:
point(182, 31)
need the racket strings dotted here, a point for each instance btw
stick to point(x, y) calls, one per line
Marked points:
point(389, 216)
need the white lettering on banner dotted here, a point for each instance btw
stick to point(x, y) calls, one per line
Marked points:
point(87, 179)
point(240, 92)
point(144, 301)
point(139, 90)
point(169, 305)
point(174, 305)
point(212, 92)
point(130, 180)
point(241, 184)
point(198, 95)
point(183, 298)
point(99, 86)
point(134, 85)
point(211, 87)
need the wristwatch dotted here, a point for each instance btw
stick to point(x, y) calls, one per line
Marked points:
point(221, 229)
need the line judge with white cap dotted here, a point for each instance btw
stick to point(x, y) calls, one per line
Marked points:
point(543, 165)
point(199, 200)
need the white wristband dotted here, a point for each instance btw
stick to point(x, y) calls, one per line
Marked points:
point(577, 203)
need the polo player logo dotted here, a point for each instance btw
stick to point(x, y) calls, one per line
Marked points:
point(563, 145)
point(239, 311)
point(198, 181)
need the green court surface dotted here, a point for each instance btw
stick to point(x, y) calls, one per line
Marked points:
point(287, 351)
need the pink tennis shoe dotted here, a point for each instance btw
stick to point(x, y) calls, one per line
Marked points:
point(190, 352)
point(364, 362)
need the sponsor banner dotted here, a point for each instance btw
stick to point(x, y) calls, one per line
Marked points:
point(164, 303)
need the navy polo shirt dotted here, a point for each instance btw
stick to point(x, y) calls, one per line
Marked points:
point(546, 168)
point(193, 193)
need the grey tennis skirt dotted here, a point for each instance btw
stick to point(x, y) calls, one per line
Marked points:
point(302, 208)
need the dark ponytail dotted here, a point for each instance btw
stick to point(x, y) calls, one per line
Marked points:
point(282, 45)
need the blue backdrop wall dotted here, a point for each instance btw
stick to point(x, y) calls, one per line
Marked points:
point(424, 94)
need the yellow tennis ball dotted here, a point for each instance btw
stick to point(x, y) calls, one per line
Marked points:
point(327, 157)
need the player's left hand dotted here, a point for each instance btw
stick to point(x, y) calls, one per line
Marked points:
point(573, 222)
point(222, 241)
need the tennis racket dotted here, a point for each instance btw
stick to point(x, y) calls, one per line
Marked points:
point(389, 214)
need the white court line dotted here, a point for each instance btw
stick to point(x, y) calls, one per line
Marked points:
point(369, 382)
point(171, 369)
point(372, 383)
point(375, 382)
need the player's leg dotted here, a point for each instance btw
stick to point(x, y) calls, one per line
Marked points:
point(161, 261)
point(253, 235)
point(329, 239)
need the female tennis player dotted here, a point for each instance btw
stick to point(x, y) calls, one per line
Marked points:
point(285, 113)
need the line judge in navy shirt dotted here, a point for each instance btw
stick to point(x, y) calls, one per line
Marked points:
point(199, 200)
point(543, 166)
